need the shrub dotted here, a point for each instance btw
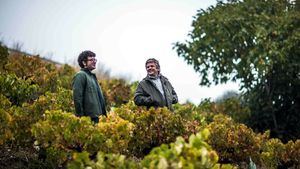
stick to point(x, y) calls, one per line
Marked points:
point(234, 142)
point(291, 156)
point(116, 92)
point(3, 57)
point(103, 161)
point(23, 117)
point(272, 151)
point(64, 133)
point(16, 89)
point(65, 76)
point(193, 120)
point(39, 72)
point(60, 100)
point(153, 127)
point(5, 120)
point(194, 154)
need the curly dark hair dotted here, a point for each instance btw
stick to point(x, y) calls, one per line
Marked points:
point(153, 60)
point(83, 57)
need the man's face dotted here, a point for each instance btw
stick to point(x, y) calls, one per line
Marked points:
point(90, 63)
point(152, 69)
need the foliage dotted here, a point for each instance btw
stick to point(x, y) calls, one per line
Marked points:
point(5, 120)
point(193, 120)
point(16, 89)
point(36, 110)
point(34, 68)
point(23, 117)
point(3, 56)
point(152, 127)
point(276, 106)
point(188, 111)
point(103, 161)
point(255, 43)
point(65, 133)
point(275, 154)
point(271, 153)
point(207, 109)
point(234, 142)
point(194, 154)
point(60, 100)
point(116, 92)
point(117, 131)
point(291, 156)
point(244, 38)
point(65, 76)
point(133, 87)
point(232, 107)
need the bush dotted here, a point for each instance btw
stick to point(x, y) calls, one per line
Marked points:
point(116, 92)
point(271, 153)
point(153, 127)
point(40, 72)
point(64, 133)
point(16, 89)
point(193, 120)
point(234, 142)
point(194, 154)
point(232, 107)
point(103, 161)
point(65, 76)
point(3, 57)
point(60, 100)
point(291, 156)
point(23, 117)
point(5, 120)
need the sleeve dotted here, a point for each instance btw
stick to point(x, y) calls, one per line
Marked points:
point(78, 87)
point(174, 95)
point(141, 98)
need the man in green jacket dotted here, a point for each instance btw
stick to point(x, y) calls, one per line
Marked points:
point(155, 90)
point(87, 94)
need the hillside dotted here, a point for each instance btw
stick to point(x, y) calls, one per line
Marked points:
point(39, 128)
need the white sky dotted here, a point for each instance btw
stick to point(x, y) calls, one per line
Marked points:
point(123, 34)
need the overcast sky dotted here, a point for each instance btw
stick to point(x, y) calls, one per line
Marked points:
point(123, 34)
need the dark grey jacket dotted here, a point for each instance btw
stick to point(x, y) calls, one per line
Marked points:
point(148, 95)
point(87, 95)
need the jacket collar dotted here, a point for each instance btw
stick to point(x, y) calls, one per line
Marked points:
point(153, 77)
point(87, 71)
point(161, 77)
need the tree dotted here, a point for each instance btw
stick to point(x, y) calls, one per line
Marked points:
point(257, 43)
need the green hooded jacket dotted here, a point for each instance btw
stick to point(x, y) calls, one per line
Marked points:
point(147, 94)
point(87, 95)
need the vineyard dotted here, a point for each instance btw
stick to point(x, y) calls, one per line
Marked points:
point(39, 128)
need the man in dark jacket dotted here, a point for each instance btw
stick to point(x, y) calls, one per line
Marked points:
point(87, 94)
point(155, 90)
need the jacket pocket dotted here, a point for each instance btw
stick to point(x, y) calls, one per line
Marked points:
point(91, 89)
